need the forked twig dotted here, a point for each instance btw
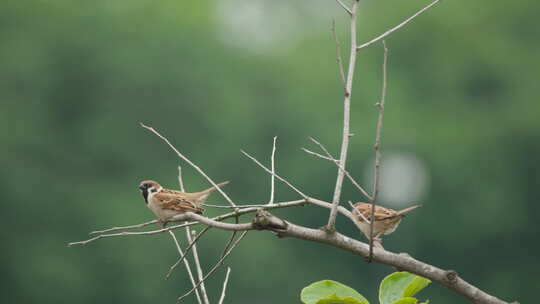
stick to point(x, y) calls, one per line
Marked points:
point(274, 174)
point(188, 248)
point(346, 121)
point(397, 27)
point(218, 264)
point(330, 157)
point(188, 268)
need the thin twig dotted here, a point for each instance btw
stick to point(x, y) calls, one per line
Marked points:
point(338, 52)
point(218, 264)
point(188, 248)
point(125, 233)
point(189, 162)
point(274, 174)
point(200, 273)
point(273, 178)
point(231, 239)
point(237, 206)
point(348, 10)
point(346, 120)
point(377, 149)
point(186, 264)
point(124, 227)
point(331, 158)
point(224, 286)
point(358, 213)
point(397, 27)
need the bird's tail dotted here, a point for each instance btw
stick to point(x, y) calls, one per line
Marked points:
point(408, 209)
point(214, 188)
point(203, 195)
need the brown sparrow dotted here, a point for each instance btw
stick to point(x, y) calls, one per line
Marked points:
point(166, 203)
point(386, 219)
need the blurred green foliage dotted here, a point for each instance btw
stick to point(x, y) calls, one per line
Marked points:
point(76, 77)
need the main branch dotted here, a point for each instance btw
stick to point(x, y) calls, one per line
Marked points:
point(346, 119)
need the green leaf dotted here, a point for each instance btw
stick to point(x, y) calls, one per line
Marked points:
point(327, 291)
point(400, 285)
point(406, 300)
point(333, 298)
point(415, 286)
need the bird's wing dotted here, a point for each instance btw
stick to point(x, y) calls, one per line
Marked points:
point(173, 202)
point(381, 213)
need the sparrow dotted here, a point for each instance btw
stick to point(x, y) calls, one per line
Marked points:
point(166, 203)
point(386, 219)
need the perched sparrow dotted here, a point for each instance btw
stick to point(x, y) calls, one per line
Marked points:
point(166, 203)
point(386, 219)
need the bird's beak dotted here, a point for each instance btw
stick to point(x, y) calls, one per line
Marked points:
point(141, 186)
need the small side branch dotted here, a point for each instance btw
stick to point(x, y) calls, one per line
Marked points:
point(338, 52)
point(124, 227)
point(348, 10)
point(397, 27)
point(331, 158)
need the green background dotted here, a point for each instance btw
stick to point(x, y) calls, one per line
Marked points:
point(76, 78)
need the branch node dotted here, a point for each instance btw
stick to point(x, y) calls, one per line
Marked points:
point(329, 230)
point(451, 276)
point(264, 220)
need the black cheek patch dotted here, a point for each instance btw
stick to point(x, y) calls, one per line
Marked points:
point(145, 195)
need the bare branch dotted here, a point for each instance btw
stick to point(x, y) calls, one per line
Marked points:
point(406, 263)
point(338, 52)
point(198, 266)
point(348, 10)
point(273, 180)
point(239, 212)
point(125, 233)
point(224, 286)
point(189, 162)
point(218, 264)
point(274, 174)
point(180, 179)
point(397, 27)
point(377, 148)
point(331, 158)
point(186, 264)
point(346, 119)
point(188, 248)
point(447, 278)
point(124, 227)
